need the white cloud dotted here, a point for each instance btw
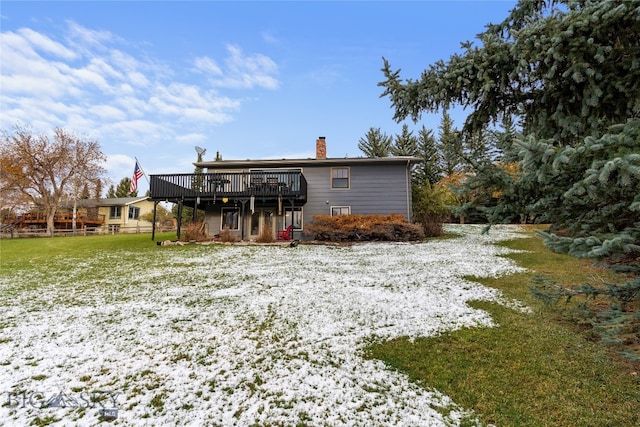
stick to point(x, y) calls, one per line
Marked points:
point(85, 76)
point(245, 72)
point(191, 139)
point(119, 165)
point(107, 112)
point(136, 132)
point(87, 39)
point(207, 66)
point(270, 38)
point(135, 107)
point(189, 103)
point(94, 82)
point(44, 44)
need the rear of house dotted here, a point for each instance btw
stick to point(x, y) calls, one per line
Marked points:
point(251, 197)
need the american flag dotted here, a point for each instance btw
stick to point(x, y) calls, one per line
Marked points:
point(137, 174)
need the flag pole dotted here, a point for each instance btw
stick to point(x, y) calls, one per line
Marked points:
point(143, 172)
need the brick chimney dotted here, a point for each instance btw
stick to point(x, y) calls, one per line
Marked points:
point(321, 148)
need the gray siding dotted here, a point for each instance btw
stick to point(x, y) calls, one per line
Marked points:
point(374, 189)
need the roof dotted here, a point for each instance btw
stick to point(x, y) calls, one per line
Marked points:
point(121, 201)
point(115, 201)
point(275, 163)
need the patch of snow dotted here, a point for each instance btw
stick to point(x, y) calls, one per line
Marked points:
point(241, 335)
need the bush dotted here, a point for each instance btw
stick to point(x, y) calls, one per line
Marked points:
point(266, 235)
point(345, 228)
point(429, 209)
point(227, 235)
point(194, 231)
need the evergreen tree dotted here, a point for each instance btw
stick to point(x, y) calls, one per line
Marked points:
point(429, 169)
point(97, 189)
point(111, 192)
point(375, 143)
point(122, 190)
point(449, 145)
point(505, 139)
point(569, 72)
point(84, 193)
point(405, 144)
point(570, 79)
point(187, 214)
point(190, 214)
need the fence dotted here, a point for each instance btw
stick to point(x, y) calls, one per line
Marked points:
point(86, 231)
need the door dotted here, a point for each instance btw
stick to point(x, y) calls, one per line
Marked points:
point(260, 220)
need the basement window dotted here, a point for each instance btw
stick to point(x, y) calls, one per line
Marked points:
point(340, 210)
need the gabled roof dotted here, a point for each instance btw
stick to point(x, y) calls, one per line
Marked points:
point(279, 163)
point(121, 201)
point(116, 201)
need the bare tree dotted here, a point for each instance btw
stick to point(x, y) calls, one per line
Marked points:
point(47, 170)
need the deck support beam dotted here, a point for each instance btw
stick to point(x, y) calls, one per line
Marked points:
point(179, 218)
point(153, 224)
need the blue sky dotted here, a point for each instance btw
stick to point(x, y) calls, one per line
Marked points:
point(251, 80)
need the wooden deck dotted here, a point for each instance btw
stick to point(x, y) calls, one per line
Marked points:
point(290, 185)
point(62, 221)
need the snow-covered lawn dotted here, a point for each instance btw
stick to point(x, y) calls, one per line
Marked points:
point(238, 335)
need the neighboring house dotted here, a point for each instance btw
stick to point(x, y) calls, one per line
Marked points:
point(113, 215)
point(122, 214)
point(249, 196)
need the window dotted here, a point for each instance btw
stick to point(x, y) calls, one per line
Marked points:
point(134, 212)
point(340, 210)
point(230, 218)
point(339, 177)
point(293, 216)
point(255, 223)
point(115, 212)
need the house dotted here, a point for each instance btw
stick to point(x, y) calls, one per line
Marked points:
point(118, 214)
point(249, 196)
point(113, 215)
point(123, 214)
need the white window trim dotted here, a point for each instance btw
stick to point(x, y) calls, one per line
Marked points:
point(134, 209)
point(341, 207)
point(118, 208)
point(348, 178)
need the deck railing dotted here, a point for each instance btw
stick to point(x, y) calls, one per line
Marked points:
point(266, 184)
point(39, 217)
point(30, 218)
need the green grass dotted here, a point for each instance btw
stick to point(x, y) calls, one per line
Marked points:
point(531, 370)
point(18, 252)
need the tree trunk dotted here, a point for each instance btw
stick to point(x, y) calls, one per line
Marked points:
point(50, 221)
point(75, 213)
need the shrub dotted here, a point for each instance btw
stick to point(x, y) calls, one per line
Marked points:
point(429, 208)
point(266, 235)
point(194, 231)
point(227, 235)
point(343, 228)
